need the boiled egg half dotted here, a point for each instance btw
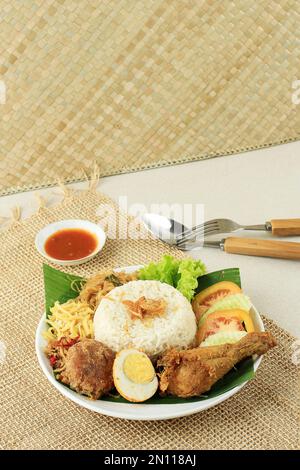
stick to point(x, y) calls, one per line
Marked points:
point(134, 375)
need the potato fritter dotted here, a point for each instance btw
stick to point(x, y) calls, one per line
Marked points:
point(89, 368)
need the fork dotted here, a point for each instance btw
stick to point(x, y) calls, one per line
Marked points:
point(281, 227)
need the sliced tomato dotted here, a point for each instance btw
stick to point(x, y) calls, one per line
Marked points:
point(212, 294)
point(225, 320)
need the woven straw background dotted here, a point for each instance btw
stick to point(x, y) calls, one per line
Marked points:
point(143, 84)
point(33, 415)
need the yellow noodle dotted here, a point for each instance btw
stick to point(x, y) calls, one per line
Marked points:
point(66, 320)
point(76, 285)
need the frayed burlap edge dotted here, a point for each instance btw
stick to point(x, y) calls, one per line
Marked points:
point(15, 217)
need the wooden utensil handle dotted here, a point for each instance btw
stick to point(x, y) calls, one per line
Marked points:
point(285, 227)
point(256, 247)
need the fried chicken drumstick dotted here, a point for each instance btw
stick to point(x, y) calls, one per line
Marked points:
point(193, 372)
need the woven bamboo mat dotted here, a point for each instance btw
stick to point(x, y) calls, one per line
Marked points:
point(135, 85)
point(33, 415)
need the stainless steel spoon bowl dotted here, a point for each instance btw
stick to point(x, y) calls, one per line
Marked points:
point(167, 230)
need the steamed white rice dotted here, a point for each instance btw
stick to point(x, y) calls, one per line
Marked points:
point(115, 328)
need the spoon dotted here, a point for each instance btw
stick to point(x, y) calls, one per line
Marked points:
point(167, 230)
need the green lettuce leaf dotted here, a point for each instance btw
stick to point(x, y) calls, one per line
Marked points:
point(189, 271)
point(181, 274)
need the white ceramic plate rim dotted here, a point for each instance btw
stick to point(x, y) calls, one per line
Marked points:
point(131, 411)
point(48, 230)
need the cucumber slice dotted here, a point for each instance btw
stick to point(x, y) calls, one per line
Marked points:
point(229, 302)
point(223, 337)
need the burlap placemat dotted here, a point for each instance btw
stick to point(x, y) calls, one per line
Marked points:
point(143, 84)
point(33, 415)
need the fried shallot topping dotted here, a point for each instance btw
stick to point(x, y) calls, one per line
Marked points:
point(145, 308)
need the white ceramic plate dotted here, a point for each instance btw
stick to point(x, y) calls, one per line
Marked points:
point(133, 411)
point(50, 229)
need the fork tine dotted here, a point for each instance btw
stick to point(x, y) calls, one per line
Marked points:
point(204, 228)
point(204, 233)
point(205, 225)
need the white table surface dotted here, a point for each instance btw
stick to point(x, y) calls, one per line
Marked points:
point(249, 188)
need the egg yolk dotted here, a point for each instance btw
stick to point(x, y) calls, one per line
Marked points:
point(138, 368)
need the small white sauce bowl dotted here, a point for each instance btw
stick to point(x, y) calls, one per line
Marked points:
point(50, 229)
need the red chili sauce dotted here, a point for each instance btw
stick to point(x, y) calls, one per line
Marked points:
point(70, 243)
